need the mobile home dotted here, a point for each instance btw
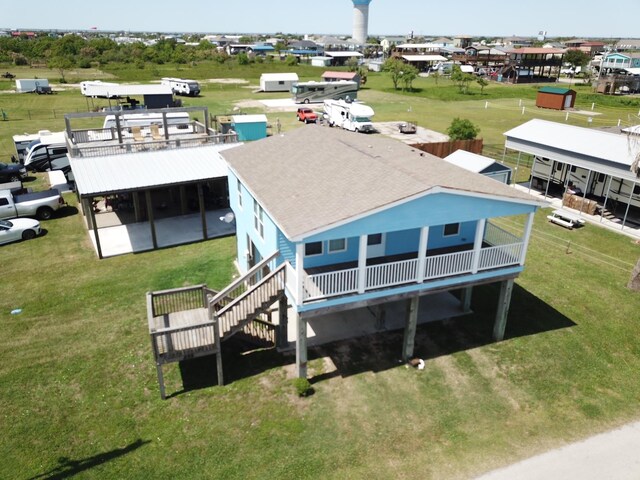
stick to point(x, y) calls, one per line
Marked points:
point(277, 82)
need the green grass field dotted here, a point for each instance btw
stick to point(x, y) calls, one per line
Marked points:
point(79, 392)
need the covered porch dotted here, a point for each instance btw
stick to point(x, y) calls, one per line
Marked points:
point(423, 268)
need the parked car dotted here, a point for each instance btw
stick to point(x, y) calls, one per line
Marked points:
point(39, 204)
point(307, 115)
point(18, 229)
point(11, 172)
point(408, 127)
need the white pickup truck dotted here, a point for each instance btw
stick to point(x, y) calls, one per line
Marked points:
point(40, 205)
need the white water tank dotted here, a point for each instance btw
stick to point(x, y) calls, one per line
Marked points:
point(360, 20)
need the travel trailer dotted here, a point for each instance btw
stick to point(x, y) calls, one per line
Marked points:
point(180, 86)
point(40, 154)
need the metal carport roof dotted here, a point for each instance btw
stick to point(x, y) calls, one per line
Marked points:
point(135, 171)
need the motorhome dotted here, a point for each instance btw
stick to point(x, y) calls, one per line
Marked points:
point(317, 92)
point(128, 120)
point(42, 152)
point(181, 86)
point(557, 177)
point(25, 141)
point(348, 115)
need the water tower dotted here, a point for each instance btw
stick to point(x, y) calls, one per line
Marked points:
point(360, 20)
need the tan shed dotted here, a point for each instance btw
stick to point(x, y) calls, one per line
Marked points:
point(556, 98)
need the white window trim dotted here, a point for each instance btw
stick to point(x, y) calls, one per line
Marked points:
point(258, 218)
point(239, 187)
point(346, 241)
point(314, 254)
point(444, 227)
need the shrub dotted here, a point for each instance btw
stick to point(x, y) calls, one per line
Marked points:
point(303, 387)
point(462, 129)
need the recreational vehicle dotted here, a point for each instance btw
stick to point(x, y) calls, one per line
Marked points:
point(25, 141)
point(557, 177)
point(350, 116)
point(41, 153)
point(316, 92)
point(128, 120)
point(180, 86)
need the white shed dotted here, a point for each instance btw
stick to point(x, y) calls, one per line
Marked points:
point(480, 164)
point(321, 61)
point(277, 82)
point(26, 85)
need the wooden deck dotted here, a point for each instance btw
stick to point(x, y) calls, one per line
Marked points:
point(182, 335)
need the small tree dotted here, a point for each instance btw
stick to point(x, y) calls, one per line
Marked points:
point(576, 58)
point(395, 68)
point(462, 129)
point(461, 79)
point(483, 83)
point(62, 64)
point(243, 58)
point(408, 75)
point(436, 76)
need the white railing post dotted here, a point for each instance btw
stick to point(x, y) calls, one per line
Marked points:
point(299, 272)
point(477, 244)
point(527, 237)
point(362, 264)
point(422, 254)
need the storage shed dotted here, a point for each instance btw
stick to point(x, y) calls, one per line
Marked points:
point(249, 127)
point(27, 85)
point(480, 164)
point(556, 98)
point(277, 82)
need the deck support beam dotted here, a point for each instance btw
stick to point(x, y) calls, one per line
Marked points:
point(163, 394)
point(527, 236)
point(203, 213)
point(283, 320)
point(477, 244)
point(422, 254)
point(381, 315)
point(408, 341)
point(152, 224)
point(465, 298)
point(218, 345)
point(504, 300)
point(301, 346)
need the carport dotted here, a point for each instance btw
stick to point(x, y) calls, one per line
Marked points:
point(153, 199)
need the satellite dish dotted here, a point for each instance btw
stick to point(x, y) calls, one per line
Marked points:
point(228, 218)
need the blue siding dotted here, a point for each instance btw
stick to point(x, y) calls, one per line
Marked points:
point(430, 210)
point(327, 258)
point(466, 235)
point(404, 241)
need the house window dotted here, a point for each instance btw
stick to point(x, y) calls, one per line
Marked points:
point(337, 245)
point(312, 248)
point(374, 239)
point(239, 194)
point(258, 218)
point(636, 190)
point(451, 229)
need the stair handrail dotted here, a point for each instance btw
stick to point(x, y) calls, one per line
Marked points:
point(239, 281)
point(250, 291)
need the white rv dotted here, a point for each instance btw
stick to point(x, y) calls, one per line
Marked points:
point(549, 175)
point(181, 86)
point(128, 120)
point(26, 140)
point(42, 152)
point(348, 115)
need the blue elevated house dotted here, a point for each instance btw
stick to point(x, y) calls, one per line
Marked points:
point(328, 221)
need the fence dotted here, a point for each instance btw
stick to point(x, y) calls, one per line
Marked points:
point(442, 149)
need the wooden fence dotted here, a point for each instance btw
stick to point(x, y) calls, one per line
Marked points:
point(442, 149)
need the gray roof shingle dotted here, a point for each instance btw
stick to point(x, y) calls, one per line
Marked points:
point(314, 177)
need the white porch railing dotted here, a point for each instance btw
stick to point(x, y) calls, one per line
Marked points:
point(494, 235)
point(343, 282)
point(448, 264)
point(500, 256)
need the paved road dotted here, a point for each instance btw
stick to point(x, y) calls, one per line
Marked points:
point(614, 455)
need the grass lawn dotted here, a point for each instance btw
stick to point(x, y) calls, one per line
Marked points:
point(80, 396)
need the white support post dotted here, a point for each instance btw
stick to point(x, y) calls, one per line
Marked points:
point(527, 236)
point(299, 273)
point(422, 254)
point(504, 301)
point(477, 244)
point(301, 346)
point(362, 264)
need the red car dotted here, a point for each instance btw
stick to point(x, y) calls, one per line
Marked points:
point(307, 115)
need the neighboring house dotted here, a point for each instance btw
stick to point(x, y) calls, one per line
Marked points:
point(528, 64)
point(617, 62)
point(628, 44)
point(143, 187)
point(599, 163)
point(480, 164)
point(330, 76)
point(348, 221)
point(619, 73)
point(462, 41)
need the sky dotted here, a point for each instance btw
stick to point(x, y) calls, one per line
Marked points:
point(587, 18)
